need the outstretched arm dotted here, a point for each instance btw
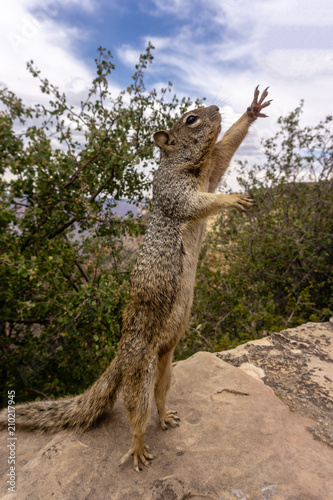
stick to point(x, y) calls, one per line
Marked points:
point(232, 139)
point(203, 205)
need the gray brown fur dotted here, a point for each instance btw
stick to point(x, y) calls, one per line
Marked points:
point(192, 164)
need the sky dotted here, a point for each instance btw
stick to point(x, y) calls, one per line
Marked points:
point(217, 49)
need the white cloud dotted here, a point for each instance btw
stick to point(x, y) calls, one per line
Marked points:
point(129, 56)
point(31, 30)
point(284, 44)
point(303, 65)
point(176, 7)
point(26, 35)
point(220, 49)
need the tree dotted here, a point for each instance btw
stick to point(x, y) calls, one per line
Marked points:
point(273, 267)
point(63, 169)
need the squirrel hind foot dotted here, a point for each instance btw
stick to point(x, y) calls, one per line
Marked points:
point(139, 451)
point(170, 418)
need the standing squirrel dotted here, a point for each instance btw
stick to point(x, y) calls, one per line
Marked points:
point(191, 166)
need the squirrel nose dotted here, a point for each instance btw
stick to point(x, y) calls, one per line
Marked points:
point(215, 108)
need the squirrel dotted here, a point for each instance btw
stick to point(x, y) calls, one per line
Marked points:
point(192, 163)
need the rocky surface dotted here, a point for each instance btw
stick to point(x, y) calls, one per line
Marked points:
point(237, 439)
point(298, 364)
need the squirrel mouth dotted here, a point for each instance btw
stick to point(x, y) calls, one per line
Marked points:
point(214, 114)
point(216, 117)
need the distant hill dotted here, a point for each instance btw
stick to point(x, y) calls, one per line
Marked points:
point(124, 206)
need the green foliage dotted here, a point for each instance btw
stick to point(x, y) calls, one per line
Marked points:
point(63, 167)
point(273, 267)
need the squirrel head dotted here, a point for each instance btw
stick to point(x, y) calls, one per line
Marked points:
point(191, 137)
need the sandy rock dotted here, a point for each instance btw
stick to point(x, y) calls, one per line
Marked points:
point(298, 364)
point(237, 440)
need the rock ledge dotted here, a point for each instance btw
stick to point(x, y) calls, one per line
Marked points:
point(237, 439)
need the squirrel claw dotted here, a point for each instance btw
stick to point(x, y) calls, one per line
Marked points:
point(170, 418)
point(254, 111)
point(141, 454)
point(241, 202)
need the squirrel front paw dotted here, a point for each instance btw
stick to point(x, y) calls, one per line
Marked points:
point(254, 111)
point(241, 202)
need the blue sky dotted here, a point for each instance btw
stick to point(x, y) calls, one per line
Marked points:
point(218, 49)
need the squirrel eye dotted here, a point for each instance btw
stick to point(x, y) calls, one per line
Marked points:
point(191, 119)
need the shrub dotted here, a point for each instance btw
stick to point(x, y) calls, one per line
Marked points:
point(271, 268)
point(63, 168)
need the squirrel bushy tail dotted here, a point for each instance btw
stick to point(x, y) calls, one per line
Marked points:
point(78, 412)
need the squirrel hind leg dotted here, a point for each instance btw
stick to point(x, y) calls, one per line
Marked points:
point(138, 387)
point(163, 383)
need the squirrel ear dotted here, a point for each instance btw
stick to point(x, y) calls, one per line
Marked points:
point(161, 139)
